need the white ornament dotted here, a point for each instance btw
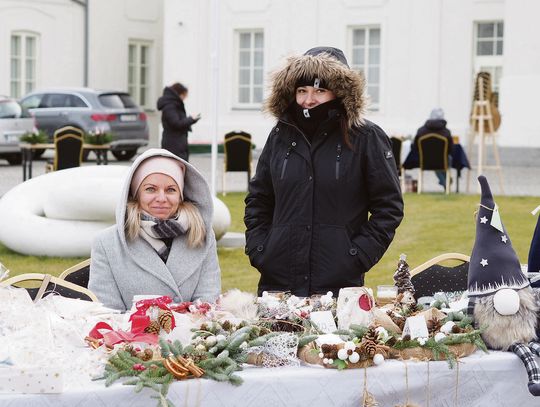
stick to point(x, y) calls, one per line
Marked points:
point(325, 361)
point(244, 345)
point(330, 361)
point(321, 355)
point(349, 346)
point(211, 340)
point(447, 327)
point(200, 347)
point(354, 357)
point(439, 336)
point(343, 354)
point(421, 341)
point(378, 359)
point(220, 337)
point(506, 301)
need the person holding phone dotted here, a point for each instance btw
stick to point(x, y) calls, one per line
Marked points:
point(176, 123)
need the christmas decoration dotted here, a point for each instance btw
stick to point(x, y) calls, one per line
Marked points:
point(402, 276)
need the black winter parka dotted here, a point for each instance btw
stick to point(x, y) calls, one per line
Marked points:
point(176, 124)
point(320, 215)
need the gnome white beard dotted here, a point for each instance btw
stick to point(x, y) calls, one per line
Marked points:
point(504, 330)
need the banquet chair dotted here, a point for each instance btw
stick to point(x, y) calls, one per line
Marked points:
point(237, 148)
point(433, 156)
point(68, 148)
point(431, 277)
point(48, 284)
point(78, 274)
point(397, 144)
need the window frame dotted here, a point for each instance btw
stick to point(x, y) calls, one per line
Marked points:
point(490, 63)
point(136, 85)
point(23, 84)
point(373, 107)
point(251, 105)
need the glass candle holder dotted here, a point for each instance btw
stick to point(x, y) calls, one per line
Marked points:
point(386, 294)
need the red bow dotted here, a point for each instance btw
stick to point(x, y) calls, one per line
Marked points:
point(111, 337)
point(139, 320)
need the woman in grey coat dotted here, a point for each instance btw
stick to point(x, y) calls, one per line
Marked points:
point(163, 242)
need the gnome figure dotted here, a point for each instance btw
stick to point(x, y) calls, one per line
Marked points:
point(501, 298)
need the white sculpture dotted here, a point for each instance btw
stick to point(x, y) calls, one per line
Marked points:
point(58, 214)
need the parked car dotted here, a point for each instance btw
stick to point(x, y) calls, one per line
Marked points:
point(92, 111)
point(14, 122)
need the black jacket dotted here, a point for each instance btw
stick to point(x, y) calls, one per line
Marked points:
point(437, 126)
point(175, 123)
point(319, 216)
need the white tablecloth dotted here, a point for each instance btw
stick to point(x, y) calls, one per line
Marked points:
point(497, 379)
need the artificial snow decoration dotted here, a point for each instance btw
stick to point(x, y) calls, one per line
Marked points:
point(422, 341)
point(241, 304)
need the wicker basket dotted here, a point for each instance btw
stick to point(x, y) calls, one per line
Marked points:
point(307, 355)
point(460, 351)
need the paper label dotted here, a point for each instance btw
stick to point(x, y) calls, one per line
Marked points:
point(416, 327)
point(496, 220)
point(324, 321)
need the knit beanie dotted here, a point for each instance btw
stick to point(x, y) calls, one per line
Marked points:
point(162, 165)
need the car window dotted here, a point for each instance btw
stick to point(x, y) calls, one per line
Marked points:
point(75, 101)
point(10, 109)
point(116, 100)
point(57, 100)
point(31, 102)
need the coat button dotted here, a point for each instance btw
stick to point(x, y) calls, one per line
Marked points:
point(308, 227)
point(277, 129)
point(353, 251)
point(293, 144)
point(305, 278)
point(310, 178)
point(260, 248)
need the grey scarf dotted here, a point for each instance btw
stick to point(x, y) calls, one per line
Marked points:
point(154, 230)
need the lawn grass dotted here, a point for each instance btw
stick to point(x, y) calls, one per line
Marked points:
point(433, 224)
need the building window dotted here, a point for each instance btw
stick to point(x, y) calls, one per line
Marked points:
point(138, 73)
point(23, 64)
point(488, 52)
point(250, 67)
point(366, 58)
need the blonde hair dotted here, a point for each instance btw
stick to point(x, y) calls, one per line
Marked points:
point(196, 232)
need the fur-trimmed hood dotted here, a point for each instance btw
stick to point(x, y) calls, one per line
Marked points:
point(347, 85)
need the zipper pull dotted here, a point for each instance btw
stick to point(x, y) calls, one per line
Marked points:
point(338, 158)
point(285, 161)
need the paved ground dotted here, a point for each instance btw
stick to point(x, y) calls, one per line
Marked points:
point(521, 173)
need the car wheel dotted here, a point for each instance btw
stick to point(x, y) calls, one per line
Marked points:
point(14, 159)
point(124, 155)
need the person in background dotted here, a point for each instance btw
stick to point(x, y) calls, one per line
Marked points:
point(437, 124)
point(176, 124)
point(325, 200)
point(163, 242)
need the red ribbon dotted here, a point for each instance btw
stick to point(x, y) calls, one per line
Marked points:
point(139, 320)
point(110, 337)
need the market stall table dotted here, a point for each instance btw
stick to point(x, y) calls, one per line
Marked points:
point(27, 151)
point(495, 379)
point(459, 161)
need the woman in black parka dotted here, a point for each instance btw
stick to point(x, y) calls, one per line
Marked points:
point(176, 123)
point(325, 201)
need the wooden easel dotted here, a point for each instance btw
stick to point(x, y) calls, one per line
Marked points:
point(482, 127)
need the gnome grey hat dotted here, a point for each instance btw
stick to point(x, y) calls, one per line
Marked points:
point(436, 114)
point(494, 264)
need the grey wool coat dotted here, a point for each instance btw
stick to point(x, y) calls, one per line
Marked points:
point(121, 268)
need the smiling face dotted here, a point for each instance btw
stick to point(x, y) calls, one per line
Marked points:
point(159, 196)
point(308, 97)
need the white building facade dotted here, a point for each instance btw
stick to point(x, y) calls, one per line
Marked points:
point(416, 55)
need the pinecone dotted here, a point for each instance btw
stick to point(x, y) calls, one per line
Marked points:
point(397, 319)
point(147, 355)
point(433, 326)
point(165, 318)
point(226, 325)
point(329, 351)
point(368, 347)
point(153, 328)
point(371, 335)
point(456, 329)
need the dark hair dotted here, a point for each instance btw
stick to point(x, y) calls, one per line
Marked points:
point(179, 88)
